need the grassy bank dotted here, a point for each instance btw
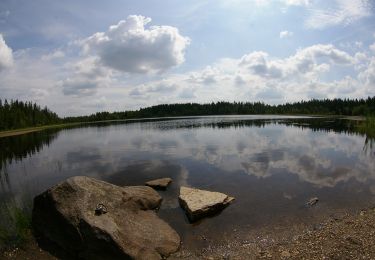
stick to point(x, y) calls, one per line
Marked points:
point(17, 229)
point(368, 127)
point(22, 131)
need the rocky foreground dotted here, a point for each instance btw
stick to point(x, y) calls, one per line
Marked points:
point(159, 184)
point(92, 219)
point(97, 220)
point(342, 236)
point(201, 203)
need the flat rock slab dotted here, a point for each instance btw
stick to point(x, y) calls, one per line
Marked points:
point(92, 219)
point(159, 184)
point(201, 203)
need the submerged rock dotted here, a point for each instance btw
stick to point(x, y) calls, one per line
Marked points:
point(311, 202)
point(200, 203)
point(92, 219)
point(159, 184)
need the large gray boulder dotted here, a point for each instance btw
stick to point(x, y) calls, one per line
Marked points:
point(92, 219)
point(201, 203)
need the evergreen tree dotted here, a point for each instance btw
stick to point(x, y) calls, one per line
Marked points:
point(18, 114)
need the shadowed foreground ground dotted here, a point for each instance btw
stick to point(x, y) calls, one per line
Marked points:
point(340, 237)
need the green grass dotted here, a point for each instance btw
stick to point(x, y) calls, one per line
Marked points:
point(33, 129)
point(21, 131)
point(368, 127)
point(17, 230)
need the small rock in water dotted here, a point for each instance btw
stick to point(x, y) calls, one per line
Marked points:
point(312, 201)
point(200, 203)
point(159, 184)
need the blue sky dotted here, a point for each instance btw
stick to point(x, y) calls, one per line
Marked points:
point(79, 57)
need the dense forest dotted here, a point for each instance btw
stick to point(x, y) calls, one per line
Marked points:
point(350, 107)
point(18, 114)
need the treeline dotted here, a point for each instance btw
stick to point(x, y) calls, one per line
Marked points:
point(349, 107)
point(18, 114)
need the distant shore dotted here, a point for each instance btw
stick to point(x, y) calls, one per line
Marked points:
point(22, 131)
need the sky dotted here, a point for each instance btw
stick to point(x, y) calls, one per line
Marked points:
point(81, 57)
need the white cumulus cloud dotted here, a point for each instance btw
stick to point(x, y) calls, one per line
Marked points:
point(259, 64)
point(285, 34)
point(57, 54)
point(259, 76)
point(305, 58)
point(131, 46)
point(312, 59)
point(297, 2)
point(86, 79)
point(368, 77)
point(6, 55)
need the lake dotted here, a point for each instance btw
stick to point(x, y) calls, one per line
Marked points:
point(272, 165)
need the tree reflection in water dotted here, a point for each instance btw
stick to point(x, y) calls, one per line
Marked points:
point(88, 157)
point(17, 148)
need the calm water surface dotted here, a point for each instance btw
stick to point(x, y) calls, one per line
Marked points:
point(271, 164)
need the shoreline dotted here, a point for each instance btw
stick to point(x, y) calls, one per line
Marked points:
point(21, 131)
point(340, 236)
